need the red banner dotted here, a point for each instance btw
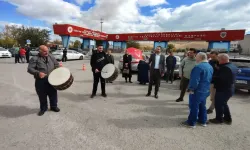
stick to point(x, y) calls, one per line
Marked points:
point(219, 35)
point(75, 31)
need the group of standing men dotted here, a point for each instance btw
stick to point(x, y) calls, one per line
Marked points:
point(22, 53)
point(202, 78)
point(198, 75)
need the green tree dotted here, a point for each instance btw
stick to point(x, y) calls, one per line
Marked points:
point(77, 44)
point(21, 34)
point(134, 44)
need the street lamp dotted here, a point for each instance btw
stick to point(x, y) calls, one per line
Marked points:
point(101, 23)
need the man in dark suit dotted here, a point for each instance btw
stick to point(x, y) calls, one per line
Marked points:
point(157, 70)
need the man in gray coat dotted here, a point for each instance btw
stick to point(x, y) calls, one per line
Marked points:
point(40, 67)
point(157, 70)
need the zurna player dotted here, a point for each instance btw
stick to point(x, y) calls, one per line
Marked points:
point(97, 62)
point(41, 66)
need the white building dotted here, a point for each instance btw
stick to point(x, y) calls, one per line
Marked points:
point(245, 45)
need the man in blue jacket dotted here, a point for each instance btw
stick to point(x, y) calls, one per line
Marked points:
point(198, 88)
point(224, 85)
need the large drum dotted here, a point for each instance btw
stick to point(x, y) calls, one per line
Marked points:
point(109, 72)
point(61, 78)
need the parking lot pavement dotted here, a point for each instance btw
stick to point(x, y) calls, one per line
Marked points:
point(125, 120)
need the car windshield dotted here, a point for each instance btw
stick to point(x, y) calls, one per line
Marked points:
point(2, 49)
point(241, 63)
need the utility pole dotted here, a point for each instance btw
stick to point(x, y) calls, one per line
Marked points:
point(101, 23)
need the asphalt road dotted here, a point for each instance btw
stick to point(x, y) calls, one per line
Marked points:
point(125, 120)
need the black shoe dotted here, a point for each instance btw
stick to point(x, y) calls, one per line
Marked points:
point(130, 82)
point(148, 95)
point(179, 100)
point(126, 81)
point(55, 109)
point(104, 95)
point(156, 96)
point(215, 121)
point(110, 82)
point(92, 96)
point(41, 112)
point(228, 122)
point(209, 111)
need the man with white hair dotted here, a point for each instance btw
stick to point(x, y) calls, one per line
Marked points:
point(224, 85)
point(198, 88)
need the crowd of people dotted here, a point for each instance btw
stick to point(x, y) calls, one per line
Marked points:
point(22, 54)
point(202, 75)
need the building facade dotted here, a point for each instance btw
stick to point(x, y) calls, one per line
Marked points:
point(245, 45)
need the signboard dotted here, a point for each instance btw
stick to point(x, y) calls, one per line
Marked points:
point(28, 42)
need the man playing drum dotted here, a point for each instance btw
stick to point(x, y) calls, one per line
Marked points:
point(97, 62)
point(41, 66)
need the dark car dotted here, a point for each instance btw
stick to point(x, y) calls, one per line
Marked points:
point(12, 51)
point(243, 76)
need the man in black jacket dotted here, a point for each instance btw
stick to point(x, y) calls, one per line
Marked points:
point(110, 59)
point(64, 58)
point(97, 62)
point(170, 63)
point(224, 85)
point(215, 64)
point(27, 53)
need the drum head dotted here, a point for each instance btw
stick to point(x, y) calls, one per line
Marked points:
point(107, 71)
point(59, 76)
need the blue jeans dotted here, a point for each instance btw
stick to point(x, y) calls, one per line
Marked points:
point(197, 106)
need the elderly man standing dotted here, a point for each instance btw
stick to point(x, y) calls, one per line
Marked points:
point(199, 87)
point(185, 69)
point(41, 66)
point(224, 85)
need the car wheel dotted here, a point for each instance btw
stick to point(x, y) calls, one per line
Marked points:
point(81, 58)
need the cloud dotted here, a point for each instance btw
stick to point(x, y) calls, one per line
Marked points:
point(122, 16)
point(143, 3)
point(81, 2)
point(48, 10)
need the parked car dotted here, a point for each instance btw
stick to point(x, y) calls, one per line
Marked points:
point(4, 53)
point(177, 66)
point(136, 57)
point(71, 55)
point(243, 76)
point(34, 51)
point(12, 51)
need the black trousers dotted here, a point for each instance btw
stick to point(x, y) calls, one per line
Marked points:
point(155, 78)
point(17, 58)
point(170, 74)
point(221, 106)
point(27, 58)
point(97, 77)
point(44, 89)
point(184, 85)
point(64, 58)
